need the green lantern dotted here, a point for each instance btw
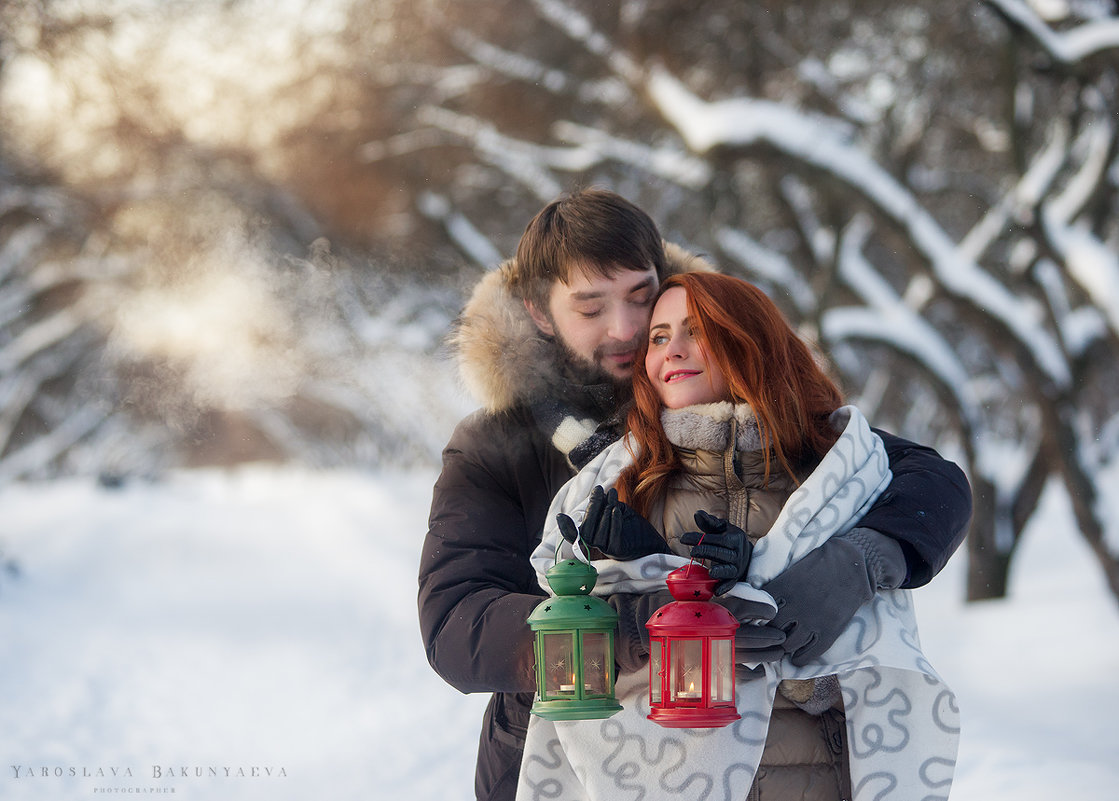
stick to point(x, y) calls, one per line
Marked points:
point(574, 647)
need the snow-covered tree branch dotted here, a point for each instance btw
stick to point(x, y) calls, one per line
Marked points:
point(224, 240)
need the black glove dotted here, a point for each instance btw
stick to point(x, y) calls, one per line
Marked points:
point(613, 528)
point(724, 544)
point(817, 596)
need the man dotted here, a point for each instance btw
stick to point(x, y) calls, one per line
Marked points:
point(547, 345)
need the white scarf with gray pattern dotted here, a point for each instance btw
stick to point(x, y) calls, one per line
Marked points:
point(902, 719)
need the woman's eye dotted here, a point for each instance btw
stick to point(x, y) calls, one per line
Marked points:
point(658, 339)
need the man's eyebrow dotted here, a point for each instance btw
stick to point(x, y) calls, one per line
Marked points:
point(644, 283)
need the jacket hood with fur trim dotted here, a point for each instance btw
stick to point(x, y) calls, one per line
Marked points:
point(501, 355)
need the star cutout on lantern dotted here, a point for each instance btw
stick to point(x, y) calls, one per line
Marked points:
point(699, 614)
point(587, 607)
point(695, 593)
point(548, 608)
point(583, 588)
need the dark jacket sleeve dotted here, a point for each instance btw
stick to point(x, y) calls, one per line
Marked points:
point(926, 508)
point(476, 586)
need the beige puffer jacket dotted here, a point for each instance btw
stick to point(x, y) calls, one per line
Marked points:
point(805, 755)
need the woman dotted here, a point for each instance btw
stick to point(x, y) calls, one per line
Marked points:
point(736, 430)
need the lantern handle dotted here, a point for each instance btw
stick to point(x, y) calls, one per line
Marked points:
point(576, 550)
point(702, 534)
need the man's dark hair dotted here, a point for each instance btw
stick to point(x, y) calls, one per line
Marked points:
point(591, 229)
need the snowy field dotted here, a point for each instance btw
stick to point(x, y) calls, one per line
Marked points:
point(252, 635)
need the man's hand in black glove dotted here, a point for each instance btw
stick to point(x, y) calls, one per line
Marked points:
point(818, 595)
point(725, 545)
point(613, 528)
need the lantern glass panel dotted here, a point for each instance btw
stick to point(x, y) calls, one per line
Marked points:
point(656, 671)
point(559, 664)
point(596, 663)
point(722, 671)
point(686, 670)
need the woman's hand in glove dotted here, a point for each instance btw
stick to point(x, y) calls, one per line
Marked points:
point(725, 545)
point(613, 528)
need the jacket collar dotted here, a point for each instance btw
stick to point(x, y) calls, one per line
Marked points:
point(710, 426)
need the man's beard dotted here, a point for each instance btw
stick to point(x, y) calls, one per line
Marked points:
point(590, 371)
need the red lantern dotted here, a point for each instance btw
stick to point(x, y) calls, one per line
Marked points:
point(691, 659)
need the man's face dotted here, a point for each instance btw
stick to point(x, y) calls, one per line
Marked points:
point(600, 320)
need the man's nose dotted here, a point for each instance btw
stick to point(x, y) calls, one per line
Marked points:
point(625, 322)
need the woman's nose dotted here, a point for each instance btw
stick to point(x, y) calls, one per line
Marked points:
point(675, 348)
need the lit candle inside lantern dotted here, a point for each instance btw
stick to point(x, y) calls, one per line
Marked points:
point(691, 692)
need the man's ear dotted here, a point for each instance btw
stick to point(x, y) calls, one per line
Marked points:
point(541, 320)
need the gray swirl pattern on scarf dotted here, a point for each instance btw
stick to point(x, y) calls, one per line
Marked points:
point(902, 719)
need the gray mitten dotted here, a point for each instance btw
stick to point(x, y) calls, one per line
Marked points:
point(753, 641)
point(756, 639)
point(817, 596)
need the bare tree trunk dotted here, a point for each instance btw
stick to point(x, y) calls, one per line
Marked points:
point(1083, 495)
point(988, 562)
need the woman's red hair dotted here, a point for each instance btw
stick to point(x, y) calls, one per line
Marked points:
point(765, 365)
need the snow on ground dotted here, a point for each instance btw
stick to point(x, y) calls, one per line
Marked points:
point(255, 619)
point(258, 627)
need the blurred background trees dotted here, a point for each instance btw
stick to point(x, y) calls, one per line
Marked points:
point(239, 230)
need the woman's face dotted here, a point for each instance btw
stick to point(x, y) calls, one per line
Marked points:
point(676, 361)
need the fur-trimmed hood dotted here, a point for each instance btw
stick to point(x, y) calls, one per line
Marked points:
point(502, 358)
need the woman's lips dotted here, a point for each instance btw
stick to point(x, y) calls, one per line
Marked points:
point(679, 375)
